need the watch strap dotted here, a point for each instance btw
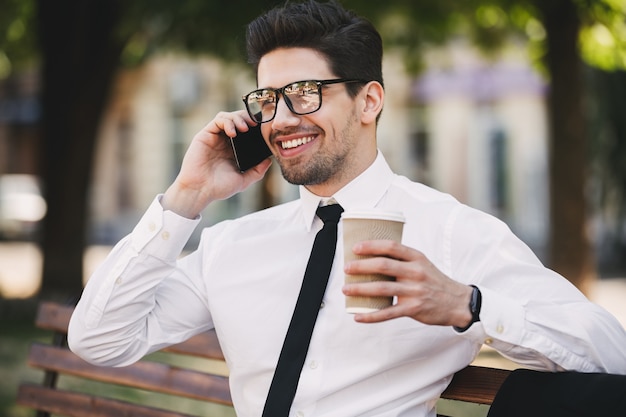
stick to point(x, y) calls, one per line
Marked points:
point(474, 306)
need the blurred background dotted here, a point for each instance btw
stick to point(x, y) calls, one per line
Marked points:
point(514, 107)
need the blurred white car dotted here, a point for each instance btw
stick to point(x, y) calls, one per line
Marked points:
point(21, 206)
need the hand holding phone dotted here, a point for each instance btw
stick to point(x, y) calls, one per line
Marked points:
point(249, 148)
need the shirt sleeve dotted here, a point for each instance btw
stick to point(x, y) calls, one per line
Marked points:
point(131, 305)
point(529, 313)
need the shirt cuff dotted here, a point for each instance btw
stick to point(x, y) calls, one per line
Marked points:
point(501, 322)
point(162, 233)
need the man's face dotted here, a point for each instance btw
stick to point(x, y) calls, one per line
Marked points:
point(319, 150)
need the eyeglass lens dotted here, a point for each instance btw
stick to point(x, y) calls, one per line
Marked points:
point(302, 97)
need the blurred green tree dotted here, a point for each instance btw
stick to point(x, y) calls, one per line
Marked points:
point(82, 43)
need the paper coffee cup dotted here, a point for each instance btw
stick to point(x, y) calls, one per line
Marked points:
point(371, 224)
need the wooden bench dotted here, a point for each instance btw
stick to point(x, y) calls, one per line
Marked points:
point(193, 370)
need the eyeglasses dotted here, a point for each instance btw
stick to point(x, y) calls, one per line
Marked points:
point(301, 97)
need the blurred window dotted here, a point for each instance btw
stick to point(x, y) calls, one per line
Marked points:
point(22, 206)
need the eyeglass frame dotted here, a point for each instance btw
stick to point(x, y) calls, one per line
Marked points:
point(281, 92)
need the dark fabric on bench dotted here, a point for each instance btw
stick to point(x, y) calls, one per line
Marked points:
point(527, 393)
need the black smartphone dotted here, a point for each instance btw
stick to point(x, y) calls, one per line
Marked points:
point(249, 148)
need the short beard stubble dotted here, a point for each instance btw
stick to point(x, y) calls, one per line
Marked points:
point(324, 166)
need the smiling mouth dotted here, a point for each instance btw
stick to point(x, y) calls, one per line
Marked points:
point(294, 143)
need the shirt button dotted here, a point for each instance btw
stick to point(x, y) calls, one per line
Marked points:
point(152, 227)
point(165, 235)
point(488, 341)
point(300, 414)
point(118, 281)
point(313, 365)
point(500, 329)
point(322, 305)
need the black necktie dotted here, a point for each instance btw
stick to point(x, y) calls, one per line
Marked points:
point(285, 381)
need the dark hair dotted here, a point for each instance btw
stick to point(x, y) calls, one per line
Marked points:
point(351, 44)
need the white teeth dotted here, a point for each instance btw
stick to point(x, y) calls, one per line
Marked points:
point(289, 144)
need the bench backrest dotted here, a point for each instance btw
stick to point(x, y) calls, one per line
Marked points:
point(201, 377)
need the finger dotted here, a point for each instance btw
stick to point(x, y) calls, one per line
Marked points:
point(230, 123)
point(375, 265)
point(242, 125)
point(388, 248)
point(371, 289)
point(400, 270)
point(385, 314)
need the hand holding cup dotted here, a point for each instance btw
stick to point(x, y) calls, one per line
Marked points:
point(372, 224)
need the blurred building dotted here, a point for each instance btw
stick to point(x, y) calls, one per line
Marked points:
point(21, 202)
point(155, 113)
point(473, 127)
point(480, 133)
point(19, 114)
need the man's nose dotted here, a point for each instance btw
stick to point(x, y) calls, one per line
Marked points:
point(284, 117)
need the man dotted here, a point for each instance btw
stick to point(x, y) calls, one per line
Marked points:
point(462, 278)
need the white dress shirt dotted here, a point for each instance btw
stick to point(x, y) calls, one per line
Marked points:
point(245, 276)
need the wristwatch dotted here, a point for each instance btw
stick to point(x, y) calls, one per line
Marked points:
point(474, 307)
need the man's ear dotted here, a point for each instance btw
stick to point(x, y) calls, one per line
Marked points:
point(374, 96)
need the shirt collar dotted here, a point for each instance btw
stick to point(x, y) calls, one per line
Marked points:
point(363, 192)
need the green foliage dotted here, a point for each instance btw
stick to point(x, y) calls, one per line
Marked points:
point(217, 27)
point(490, 23)
point(603, 37)
point(199, 26)
point(196, 26)
point(17, 35)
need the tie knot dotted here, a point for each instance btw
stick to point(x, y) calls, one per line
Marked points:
point(330, 213)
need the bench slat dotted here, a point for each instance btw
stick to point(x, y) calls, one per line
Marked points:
point(475, 384)
point(147, 375)
point(53, 316)
point(75, 404)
